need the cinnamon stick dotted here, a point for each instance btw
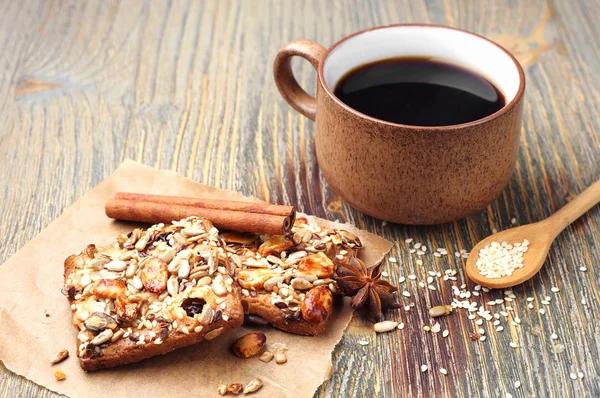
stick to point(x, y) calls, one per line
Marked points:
point(217, 204)
point(233, 220)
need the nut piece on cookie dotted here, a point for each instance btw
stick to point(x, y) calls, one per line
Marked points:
point(275, 245)
point(317, 304)
point(318, 264)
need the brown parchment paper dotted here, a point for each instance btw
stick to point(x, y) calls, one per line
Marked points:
point(31, 280)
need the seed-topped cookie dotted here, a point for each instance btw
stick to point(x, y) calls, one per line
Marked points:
point(288, 280)
point(150, 292)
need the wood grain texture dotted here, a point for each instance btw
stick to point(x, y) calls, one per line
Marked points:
point(187, 85)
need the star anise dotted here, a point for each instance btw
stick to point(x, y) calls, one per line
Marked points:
point(354, 279)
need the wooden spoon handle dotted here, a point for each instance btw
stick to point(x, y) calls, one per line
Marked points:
point(575, 208)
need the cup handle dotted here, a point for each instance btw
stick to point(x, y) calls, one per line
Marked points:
point(287, 84)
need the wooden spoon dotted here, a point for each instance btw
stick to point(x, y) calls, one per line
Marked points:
point(540, 235)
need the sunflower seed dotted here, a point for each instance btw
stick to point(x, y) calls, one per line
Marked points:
point(103, 337)
point(440, 310)
point(142, 243)
point(59, 356)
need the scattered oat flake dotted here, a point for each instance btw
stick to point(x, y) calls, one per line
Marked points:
point(423, 368)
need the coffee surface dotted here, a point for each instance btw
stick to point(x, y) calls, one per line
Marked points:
point(419, 91)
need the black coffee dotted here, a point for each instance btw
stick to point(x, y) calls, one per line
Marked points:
point(419, 91)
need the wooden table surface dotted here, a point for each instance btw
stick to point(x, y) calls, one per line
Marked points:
point(188, 86)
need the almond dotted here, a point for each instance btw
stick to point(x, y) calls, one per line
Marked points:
point(318, 264)
point(249, 345)
point(317, 304)
point(255, 278)
point(108, 288)
point(126, 309)
point(275, 245)
point(154, 275)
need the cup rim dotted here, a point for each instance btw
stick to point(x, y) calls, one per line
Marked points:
point(507, 107)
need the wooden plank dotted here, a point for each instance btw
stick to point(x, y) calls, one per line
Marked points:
point(187, 85)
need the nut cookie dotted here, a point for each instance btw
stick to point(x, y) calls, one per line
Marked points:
point(150, 292)
point(288, 280)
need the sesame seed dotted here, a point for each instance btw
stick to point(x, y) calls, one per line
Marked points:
point(494, 230)
point(555, 289)
point(412, 277)
point(509, 395)
point(423, 368)
point(401, 325)
point(445, 333)
point(363, 342)
point(517, 384)
point(542, 311)
point(530, 305)
point(384, 274)
point(419, 262)
point(407, 308)
point(513, 344)
point(500, 259)
point(583, 269)
point(401, 279)
point(431, 287)
point(554, 336)
point(530, 299)
point(409, 240)
point(580, 374)
point(499, 328)
point(393, 260)
point(406, 294)
point(436, 254)
point(482, 338)
point(417, 245)
point(573, 376)
point(513, 220)
point(422, 284)
point(443, 371)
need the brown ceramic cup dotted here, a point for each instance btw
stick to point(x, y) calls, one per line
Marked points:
point(401, 173)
